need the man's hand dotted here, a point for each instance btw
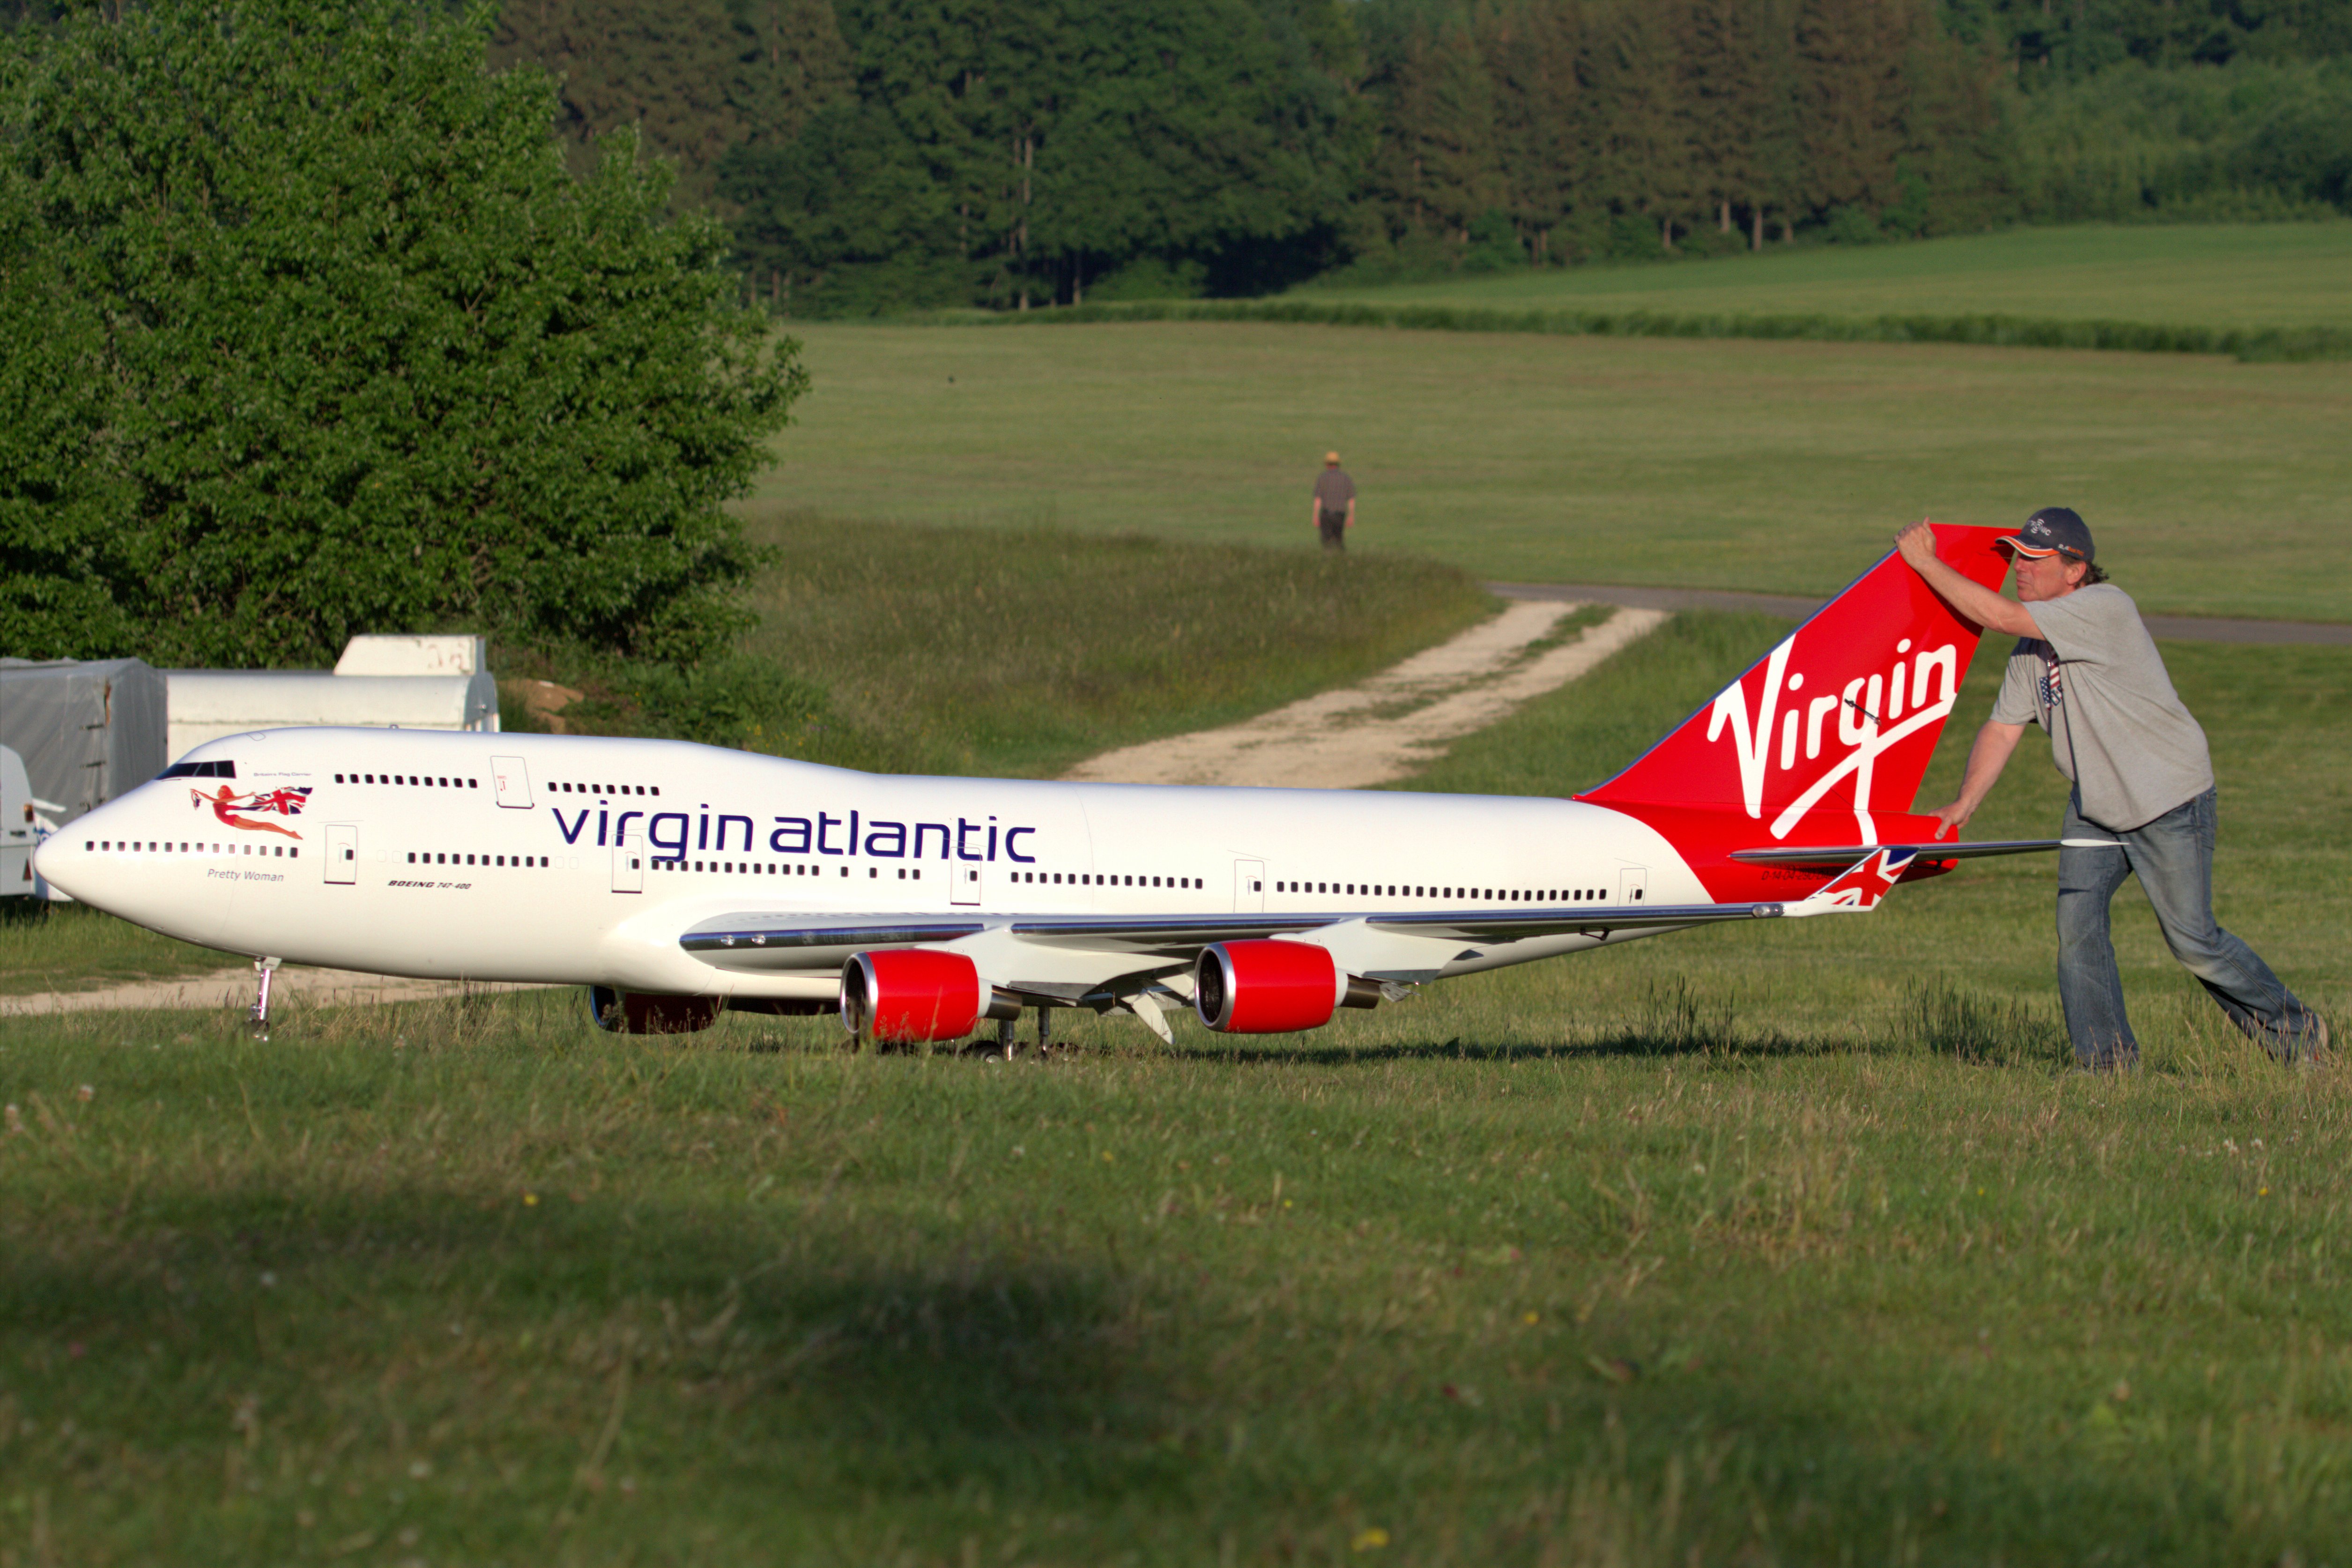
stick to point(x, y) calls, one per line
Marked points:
point(1952, 818)
point(1917, 545)
point(1985, 607)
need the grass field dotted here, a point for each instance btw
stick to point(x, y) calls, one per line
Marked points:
point(2226, 275)
point(1016, 654)
point(904, 648)
point(1759, 1246)
point(71, 947)
point(2214, 488)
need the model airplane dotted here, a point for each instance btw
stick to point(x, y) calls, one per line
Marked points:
point(674, 879)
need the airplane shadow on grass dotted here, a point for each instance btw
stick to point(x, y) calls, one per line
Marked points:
point(1933, 1018)
point(834, 1354)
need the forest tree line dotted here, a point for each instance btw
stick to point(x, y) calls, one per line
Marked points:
point(873, 155)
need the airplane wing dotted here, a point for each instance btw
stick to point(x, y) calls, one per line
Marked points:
point(773, 941)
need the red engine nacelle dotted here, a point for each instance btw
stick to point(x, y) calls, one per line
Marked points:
point(1266, 987)
point(907, 994)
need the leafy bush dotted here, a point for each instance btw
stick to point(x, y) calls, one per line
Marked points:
point(1153, 278)
point(1852, 225)
point(2254, 139)
point(1494, 245)
point(736, 701)
point(305, 332)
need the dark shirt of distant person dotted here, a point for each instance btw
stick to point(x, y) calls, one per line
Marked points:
point(1335, 503)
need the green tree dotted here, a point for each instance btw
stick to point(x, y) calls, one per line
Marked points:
point(1647, 155)
point(351, 351)
point(1441, 157)
point(791, 62)
point(1532, 53)
point(1951, 176)
point(1741, 124)
point(1850, 92)
point(694, 77)
point(59, 549)
point(1008, 151)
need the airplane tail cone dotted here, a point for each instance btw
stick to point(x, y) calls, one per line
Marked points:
point(1838, 720)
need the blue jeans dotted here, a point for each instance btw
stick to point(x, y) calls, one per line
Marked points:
point(2173, 858)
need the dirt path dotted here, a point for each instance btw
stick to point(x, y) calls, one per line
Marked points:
point(1392, 723)
point(233, 988)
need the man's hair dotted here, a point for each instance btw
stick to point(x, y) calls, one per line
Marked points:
point(2092, 570)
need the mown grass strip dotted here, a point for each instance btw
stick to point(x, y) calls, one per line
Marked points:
point(2248, 344)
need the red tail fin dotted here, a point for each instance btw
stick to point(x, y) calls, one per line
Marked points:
point(1839, 719)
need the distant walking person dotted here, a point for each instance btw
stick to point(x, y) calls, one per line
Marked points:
point(1335, 503)
point(2085, 670)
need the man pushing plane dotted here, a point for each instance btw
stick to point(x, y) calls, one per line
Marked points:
point(2087, 671)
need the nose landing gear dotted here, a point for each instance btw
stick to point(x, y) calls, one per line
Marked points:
point(263, 969)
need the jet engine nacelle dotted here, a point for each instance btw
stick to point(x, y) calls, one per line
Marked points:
point(1273, 987)
point(908, 994)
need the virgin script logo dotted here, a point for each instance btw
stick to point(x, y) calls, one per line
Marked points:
point(1871, 718)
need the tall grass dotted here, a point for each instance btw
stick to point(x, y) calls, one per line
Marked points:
point(900, 647)
point(71, 947)
point(1018, 652)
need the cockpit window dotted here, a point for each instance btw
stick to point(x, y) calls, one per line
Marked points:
point(199, 771)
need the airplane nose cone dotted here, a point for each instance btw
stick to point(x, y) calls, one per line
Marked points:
point(67, 866)
point(54, 865)
point(85, 875)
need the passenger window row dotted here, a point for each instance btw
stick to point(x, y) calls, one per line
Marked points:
point(151, 846)
point(802, 869)
point(431, 858)
point(602, 789)
point(1472, 895)
point(770, 868)
point(418, 779)
point(1104, 879)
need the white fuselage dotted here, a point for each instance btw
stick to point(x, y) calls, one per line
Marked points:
point(583, 861)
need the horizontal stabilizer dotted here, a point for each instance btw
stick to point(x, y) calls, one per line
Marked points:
point(1847, 853)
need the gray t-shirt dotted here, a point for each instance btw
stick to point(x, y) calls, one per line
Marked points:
point(2095, 682)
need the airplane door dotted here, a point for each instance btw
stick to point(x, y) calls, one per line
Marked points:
point(964, 884)
point(629, 863)
point(342, 852)
point(1249, 885)
point(512, 781)
point(1633, 885)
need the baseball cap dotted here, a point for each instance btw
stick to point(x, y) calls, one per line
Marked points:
point(1331, 457)
point(2053, 530)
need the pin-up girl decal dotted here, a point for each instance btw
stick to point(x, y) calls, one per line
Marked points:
point(228, 803)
